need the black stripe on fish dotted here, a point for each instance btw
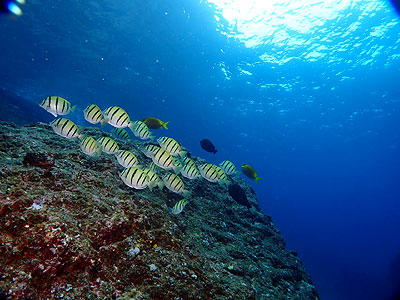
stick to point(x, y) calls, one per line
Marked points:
point(62, 127)
point(72, 126)
point(116, 110)
point(132, 158)
point(94, 118)
point(108, 140)
point(126, 119)
point(90, 110)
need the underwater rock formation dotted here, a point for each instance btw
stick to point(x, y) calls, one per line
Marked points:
point(70, 228)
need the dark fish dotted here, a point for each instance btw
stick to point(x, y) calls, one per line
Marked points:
point(208, 146)
point(11, 7)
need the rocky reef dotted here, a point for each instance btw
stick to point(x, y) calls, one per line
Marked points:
point(71, 229)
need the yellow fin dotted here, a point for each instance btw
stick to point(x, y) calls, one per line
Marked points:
point(165, 125)
point(257, 178)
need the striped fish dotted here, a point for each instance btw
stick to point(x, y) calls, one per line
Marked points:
point(116, 116)
point(179, 206)
point(89, 146)
point(108, 145)
point(136, 178)
point(149, 150)
point(190, 170)
point(92, 114)
point(171, 145)
point(228, 167)
point(57, 106)
point(65, 128)
point(222, 177)
point(175, 184)
point(141, 131)
point(209, 172)
point(164, 159)
point(126, 159)
point(153, 177)
point(120, 133)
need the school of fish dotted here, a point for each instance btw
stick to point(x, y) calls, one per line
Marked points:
point(168, 159)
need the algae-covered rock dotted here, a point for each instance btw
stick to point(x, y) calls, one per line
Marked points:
point(70, 228)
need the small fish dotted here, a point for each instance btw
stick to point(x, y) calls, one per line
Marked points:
point(57, 106)
point(171, 145)
point(65, 128)
point(116, 116)
point(154, 123)
point(108, 145)
point(92, 114)
point(175, 184)
point(228, 167)
point(179, 206)
point(90, 146)
point(209, 172)
point(164, 159)
point(250, 172)
point(136, 178)
point(222, 177)
point(190, 170)
point(10, 6)
point(208, 146)
point(120, 133)
point(126, 159)
point(149, 150)
point(153, 177)
point(141, 131)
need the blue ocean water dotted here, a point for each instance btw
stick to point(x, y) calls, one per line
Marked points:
point(307, 92)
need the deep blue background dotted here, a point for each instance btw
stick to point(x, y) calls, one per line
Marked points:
point(323, 135)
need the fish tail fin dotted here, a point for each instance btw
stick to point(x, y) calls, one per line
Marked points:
point(152, 137)
point(215, 151)
point(104, 122)
point(257, 178)
point(130, 126)
point(151, 185)
point(187, 194)
point(165, 125)
point(177, 169)
point(81, 136)
point(98, 152)
point(161, 184)
point(182, 153)
point(73, 108)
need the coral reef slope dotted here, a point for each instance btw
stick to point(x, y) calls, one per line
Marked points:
point(70, 228)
